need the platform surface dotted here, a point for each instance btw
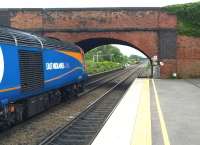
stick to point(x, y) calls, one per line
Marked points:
point(180, 103)
point(155, 112)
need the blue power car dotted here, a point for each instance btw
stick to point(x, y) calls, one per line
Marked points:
point(36, 73)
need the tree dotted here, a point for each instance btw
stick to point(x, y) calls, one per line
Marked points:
point(106, 53)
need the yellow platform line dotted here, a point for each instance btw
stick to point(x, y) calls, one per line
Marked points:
point(161, 118)
point(142, 128)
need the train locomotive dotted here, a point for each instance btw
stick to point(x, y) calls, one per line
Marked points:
point(36, 73)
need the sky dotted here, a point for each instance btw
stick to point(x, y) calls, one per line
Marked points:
point(87, 3)
point(127, 50)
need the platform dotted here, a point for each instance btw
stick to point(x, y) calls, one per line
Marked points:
point(155, 112)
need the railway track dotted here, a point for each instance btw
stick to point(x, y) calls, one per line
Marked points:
point(96, 76)
point(90, 86)
point(83, 129)
point(35, 129)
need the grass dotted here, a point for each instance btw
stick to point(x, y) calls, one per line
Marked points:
point(97, 67)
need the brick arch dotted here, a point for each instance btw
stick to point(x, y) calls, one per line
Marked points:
point(146, 42)
point(89, 44)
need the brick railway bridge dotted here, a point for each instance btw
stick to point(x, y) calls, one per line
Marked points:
point(149, 30)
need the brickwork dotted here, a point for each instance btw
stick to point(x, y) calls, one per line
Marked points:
point(93, 19)
point(168, 68)
point(188, 56)
point(144, 41)
point(167, 21)
point(26, 19)
point(109, 19)
point(188, 68)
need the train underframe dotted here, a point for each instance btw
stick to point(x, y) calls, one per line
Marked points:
point(20, 110)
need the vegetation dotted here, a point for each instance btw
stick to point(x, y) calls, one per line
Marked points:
point(96, 67)
point(107, 57)
point(104, 58)
point(135, 59)
point(188, 18)
point(106, 53)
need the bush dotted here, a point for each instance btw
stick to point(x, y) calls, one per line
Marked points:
point(188, 18)
point(96, 67)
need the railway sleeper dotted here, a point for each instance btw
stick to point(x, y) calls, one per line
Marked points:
point(85, 132)
point(75, 136)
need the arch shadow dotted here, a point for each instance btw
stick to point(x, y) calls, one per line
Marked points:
point(89, 44)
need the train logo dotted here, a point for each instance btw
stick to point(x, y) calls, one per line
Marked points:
point(1, 65)
point(55, 65)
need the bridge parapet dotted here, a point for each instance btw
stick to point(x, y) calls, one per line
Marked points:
point(96, 19)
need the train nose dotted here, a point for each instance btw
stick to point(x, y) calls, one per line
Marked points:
point(1, 65)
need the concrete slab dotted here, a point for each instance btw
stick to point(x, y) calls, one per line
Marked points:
point(180, 104)
point(195, 82)
point(157, 138)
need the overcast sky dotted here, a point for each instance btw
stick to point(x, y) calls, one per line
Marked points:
point(87, 3)
point(127, 50)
